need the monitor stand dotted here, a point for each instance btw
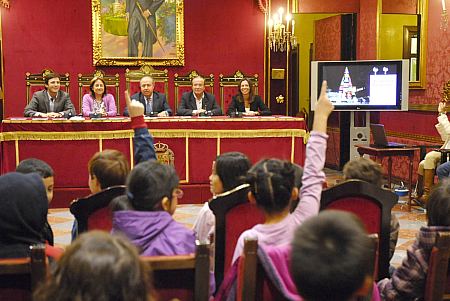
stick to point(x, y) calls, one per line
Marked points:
point(359, 131)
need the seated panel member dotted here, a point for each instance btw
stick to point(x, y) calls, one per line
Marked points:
point(50, 102)
point(245, 101)
point(198, 102)
point(155, 103)
point(99, 102)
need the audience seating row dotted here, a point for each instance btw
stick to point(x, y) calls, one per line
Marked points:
point(185, 277)
point(182, 83)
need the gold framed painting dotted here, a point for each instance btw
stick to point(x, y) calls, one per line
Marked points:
point(132, 32)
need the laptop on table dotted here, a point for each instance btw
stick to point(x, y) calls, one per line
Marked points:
point(379, 137)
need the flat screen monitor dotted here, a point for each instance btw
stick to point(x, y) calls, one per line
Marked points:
point(381, 85)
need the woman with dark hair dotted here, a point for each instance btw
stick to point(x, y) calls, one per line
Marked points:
point(97, 266)
point(226, 185)
point(408, 280)
point(246, 102)
point(98, 102)
point(152, 193)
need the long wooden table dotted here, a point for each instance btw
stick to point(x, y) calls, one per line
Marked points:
point(67, 145)
point(380, 153)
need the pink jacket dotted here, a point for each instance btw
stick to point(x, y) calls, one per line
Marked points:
point(108, 99)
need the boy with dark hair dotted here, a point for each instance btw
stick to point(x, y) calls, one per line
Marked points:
point(332, 258)
point(46, 173)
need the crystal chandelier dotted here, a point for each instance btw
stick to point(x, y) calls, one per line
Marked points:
point(279, 36)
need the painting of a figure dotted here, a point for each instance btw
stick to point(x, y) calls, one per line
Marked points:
point(128, 32)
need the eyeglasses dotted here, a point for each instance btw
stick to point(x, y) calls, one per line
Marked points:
point(178, 193)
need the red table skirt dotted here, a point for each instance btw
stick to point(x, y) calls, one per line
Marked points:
point(195, 142)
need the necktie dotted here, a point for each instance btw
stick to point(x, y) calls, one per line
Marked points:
point(52, 104)
point(149, 107)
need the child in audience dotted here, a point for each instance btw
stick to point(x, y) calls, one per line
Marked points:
point(46, 172)
point(408, 280)
point(227, 185)
point(332, 258)
point(106, 169)
point(23, 213)
point(152, 191)
point(369, 171)
point(272, 186)
point(97, 266)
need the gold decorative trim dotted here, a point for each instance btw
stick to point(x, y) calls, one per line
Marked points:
point(131, 152)
point(187, 159)
point(422, 107)
point(16, 144)
point(160, 133)
point(292, 149)
point(418, 137)
point(100, 144)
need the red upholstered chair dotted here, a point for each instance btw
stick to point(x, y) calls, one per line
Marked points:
point(185, 277)
point(111, 81)
point(229, 87)
point(35, 82)
point(160, 79)
point(93, 212)
point(183, 83)
point(232, 218)
point(372, 205)
point(20, 276)
point(438, 281)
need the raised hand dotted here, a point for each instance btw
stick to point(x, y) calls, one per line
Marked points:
point(135, 108)
point(324, 107)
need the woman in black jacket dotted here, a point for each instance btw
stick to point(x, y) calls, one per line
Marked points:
point(246, 102)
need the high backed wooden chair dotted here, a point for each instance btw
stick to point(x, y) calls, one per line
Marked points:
point(183, 83)
point(185, 277)
point(228, 85)
point(111, 81)
point(35, 82)
point(437, 286)
point(160, 79)
point(232, 218)
point(93, 212)
point(20, 276)
point(372, 205)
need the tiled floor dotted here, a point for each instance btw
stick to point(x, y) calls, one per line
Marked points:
point(61, 221)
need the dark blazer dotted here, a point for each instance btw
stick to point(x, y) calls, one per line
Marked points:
point(257, 105)
point(40, 102)
point(188, 104)
point(159, 103)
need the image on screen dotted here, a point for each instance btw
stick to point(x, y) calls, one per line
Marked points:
point(362, 84)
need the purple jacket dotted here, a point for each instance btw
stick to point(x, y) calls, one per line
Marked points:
point(154, 232)
point(88, 105)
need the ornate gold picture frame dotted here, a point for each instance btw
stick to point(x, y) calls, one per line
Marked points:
point(157, 28)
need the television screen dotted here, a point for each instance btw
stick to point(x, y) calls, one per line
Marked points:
point(362, 85)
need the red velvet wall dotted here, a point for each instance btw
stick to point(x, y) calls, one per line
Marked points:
point(219, 38)
point(327, 39)
point(367, 30)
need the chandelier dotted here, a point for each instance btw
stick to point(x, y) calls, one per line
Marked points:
point(281, 32)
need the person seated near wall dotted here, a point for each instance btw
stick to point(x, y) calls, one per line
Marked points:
point(50, 102)
point(246, 102)
point(198, 102)
point(332, 258)
point(432, 159)
point(155, 103)
point(409, 279)
point(98, 103)
point(46, 172)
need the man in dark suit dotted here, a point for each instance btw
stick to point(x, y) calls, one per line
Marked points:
point(155, 103)
point(198, 102)
point(142, 25)
point(51, 102)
